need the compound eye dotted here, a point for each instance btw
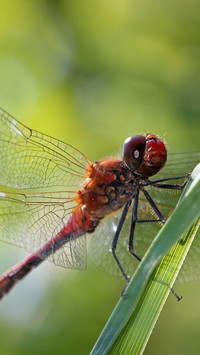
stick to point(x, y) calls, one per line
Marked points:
point(133, 151)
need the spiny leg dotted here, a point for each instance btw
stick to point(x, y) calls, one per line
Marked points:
point(133, 223)
point(155, 208)
point(159, 183)
point(116, 237)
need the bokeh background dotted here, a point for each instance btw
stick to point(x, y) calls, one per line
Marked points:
point(92, 73)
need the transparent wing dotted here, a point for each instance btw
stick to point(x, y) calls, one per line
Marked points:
point(29, 220)
point(30, 159)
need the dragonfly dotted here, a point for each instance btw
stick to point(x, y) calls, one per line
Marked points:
point(59, 206)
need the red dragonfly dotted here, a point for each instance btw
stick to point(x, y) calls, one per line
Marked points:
point(52, 196)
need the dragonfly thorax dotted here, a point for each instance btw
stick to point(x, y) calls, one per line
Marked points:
point(109, 187)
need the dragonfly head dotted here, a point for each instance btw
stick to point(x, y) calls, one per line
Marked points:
point(144, 155)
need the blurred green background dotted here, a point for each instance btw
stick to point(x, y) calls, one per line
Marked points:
point(97, 71)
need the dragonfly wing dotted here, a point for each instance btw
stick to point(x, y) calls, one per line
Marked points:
point(30, 220)
point(30, 159)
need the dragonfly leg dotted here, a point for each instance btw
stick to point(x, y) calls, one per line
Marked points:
point(116, 237)
point(161, 185)
point(178, 298)
point(133, 224)
point(155, 208)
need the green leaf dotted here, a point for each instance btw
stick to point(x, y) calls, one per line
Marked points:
point(135, 315)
